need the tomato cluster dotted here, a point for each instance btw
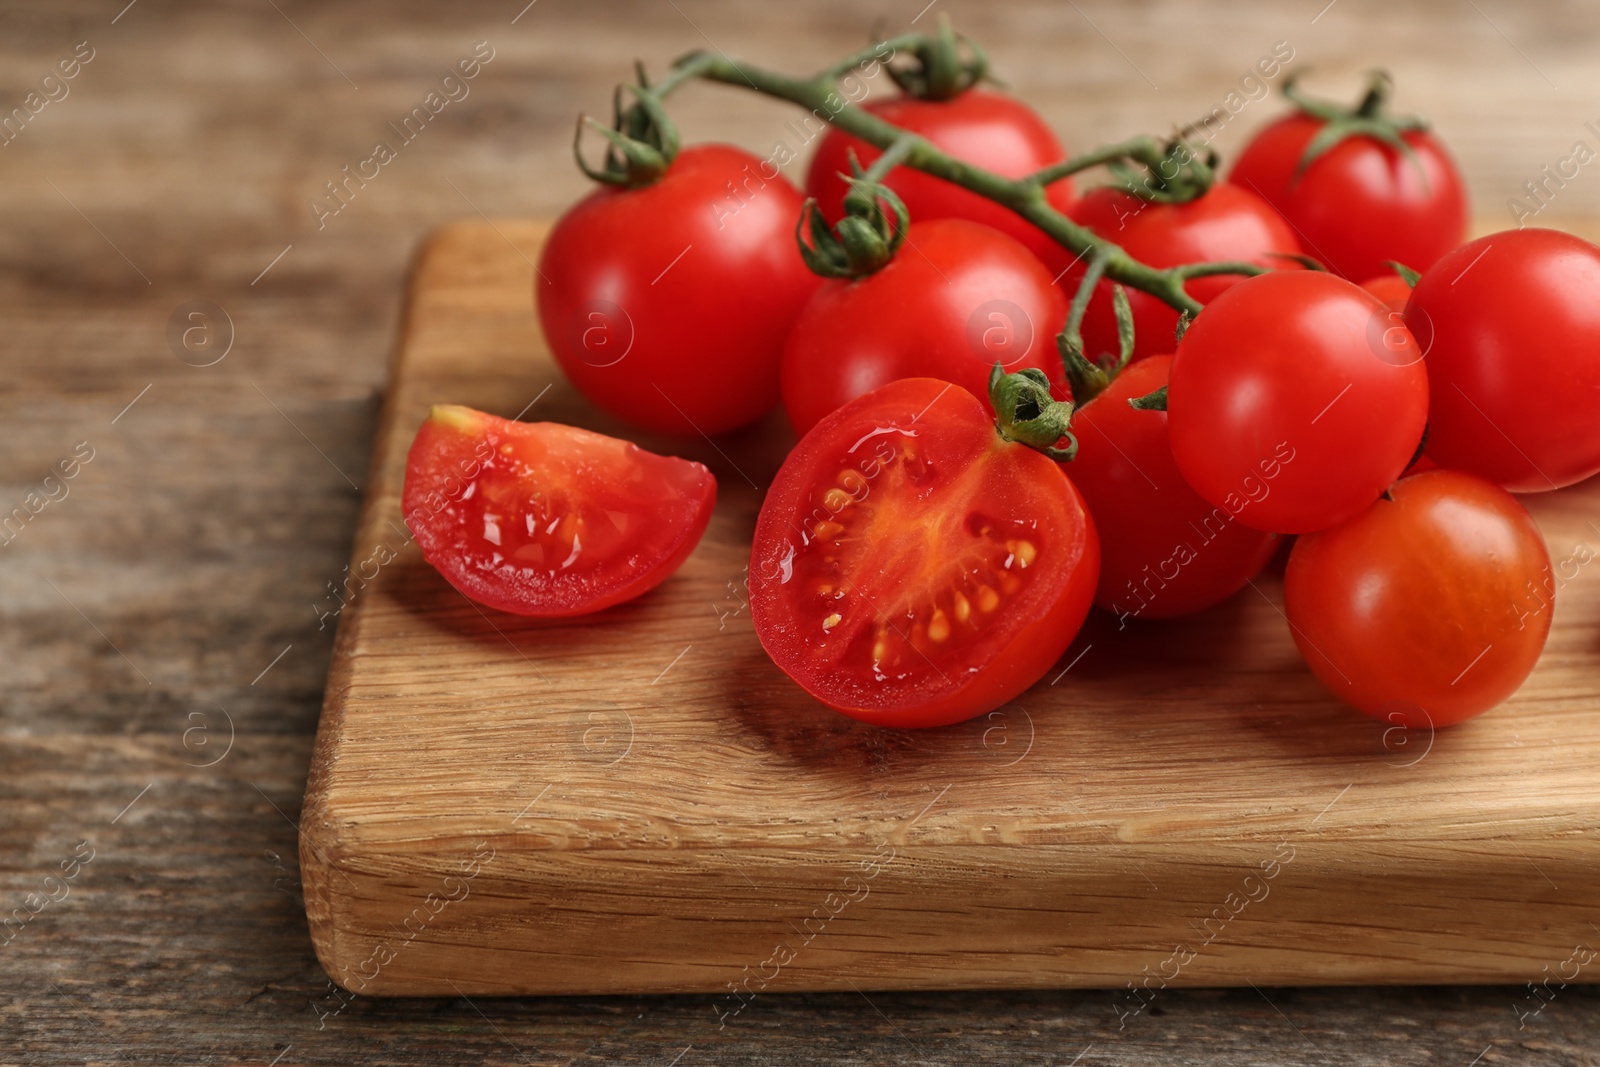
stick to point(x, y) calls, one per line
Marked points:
point(995, 433)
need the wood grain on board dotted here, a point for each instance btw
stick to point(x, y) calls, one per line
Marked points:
point(639, 801)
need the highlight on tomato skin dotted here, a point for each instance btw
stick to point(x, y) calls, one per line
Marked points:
point(1429, 608)
point(546, 519)
point(911, 567)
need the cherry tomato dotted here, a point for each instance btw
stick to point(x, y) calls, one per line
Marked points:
point(913, 568)
point(667, 305)
point(1427, 608)
point(1361, 203)
point(996, 132)
point(1164, 551)
point(1225, 223)
point(956, 298)
point(1295, 401)
point(1392, 289)
point(545, 519)
point(1511, 326)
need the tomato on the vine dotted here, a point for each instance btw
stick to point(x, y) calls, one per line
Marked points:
point(1164, 551)
point(1225, 223)
point(994, 131)
point(667, 304)
point(1511, 326)
point(1362, 200)
point(1295, 401)
point(956, 298)
point(1429, 607)
point(911, 567)
point(546, 519)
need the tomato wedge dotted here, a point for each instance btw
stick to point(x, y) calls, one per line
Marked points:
point(545, 519)
point(913, 568)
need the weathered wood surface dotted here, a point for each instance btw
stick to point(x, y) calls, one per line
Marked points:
point(207, 525)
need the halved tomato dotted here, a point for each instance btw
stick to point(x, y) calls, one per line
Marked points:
point(911, 567)
point(545, 519)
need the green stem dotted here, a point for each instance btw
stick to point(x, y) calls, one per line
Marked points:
point(1025, 197)
point(1141, 148)
point(892, 157)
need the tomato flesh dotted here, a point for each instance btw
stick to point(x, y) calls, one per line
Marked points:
point(1428, 608)
point(911, 567)
point(547, 519)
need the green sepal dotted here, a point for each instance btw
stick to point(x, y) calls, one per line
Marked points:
point(941, 72)
point(1091, 377)
point(864, 240)
point(641, 143)
point(1369, 118)
point(1153, 401)
point(1026, 413)
point(1407, 275)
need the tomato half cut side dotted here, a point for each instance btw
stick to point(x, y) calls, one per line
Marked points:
point(546, 519)
point(913, 568)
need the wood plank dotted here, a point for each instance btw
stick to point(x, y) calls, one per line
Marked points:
point(654, 807)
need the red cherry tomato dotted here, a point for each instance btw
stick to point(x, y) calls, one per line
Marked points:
point(913, 568)
point(957, 298)
point(1511, 326)
point(1390, 288)
point(1295, 401)
point(1361, 203)
point(996, 132)
point(1225, 223)
point(545, 519)
point(1164, 551)
point(1425, 609)
point(667, 305)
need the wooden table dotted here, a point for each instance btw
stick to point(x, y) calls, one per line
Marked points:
point(165, 647)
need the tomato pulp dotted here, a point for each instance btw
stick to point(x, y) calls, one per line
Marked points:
point(545, 519)
point(913, 568)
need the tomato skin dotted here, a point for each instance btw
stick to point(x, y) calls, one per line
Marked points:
point(957, 297)
point(491, 502)
point(1427, 609)
point(1164, 551)
point(992, 130)
point(699, 335)
point(911, 568)
point(1390, 288)
point(1295, 401)
point(1361, 203)
point(1511, 327)
point(1225, 223)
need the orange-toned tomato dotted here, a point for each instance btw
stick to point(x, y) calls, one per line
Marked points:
point(1428, 608)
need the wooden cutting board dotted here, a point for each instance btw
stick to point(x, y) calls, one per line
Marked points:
point(640, 801)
